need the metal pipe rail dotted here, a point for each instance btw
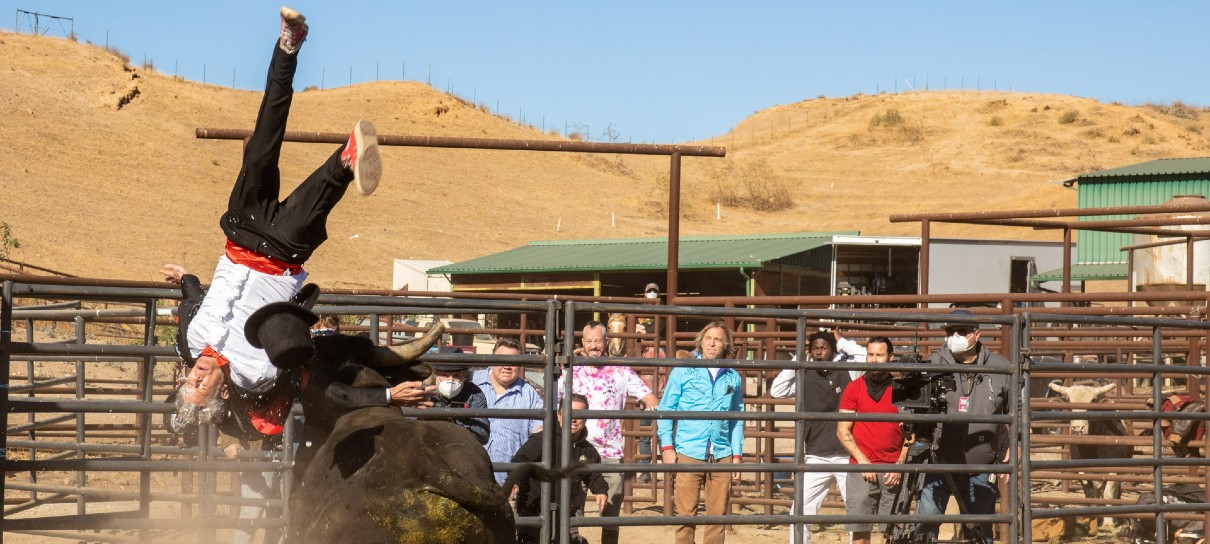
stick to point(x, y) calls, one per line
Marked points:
point(1015, 337)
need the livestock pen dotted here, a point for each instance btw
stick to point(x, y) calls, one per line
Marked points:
point(89, 459)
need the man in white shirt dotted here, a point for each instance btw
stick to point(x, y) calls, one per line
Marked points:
point(267, 243)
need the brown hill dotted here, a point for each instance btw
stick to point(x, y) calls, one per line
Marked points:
point(104, 177)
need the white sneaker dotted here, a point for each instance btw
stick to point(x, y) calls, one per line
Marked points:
point(362, 157)
point(293, 30)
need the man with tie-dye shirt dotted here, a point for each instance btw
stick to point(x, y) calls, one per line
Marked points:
point(606, 388)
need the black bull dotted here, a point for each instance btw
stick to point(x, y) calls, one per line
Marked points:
point(373, 475)
point(384, 478)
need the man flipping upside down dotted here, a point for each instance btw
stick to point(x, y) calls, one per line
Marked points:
point(267, 243)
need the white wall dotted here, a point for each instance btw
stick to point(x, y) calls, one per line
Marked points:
point(414, 274)
point(961, 266)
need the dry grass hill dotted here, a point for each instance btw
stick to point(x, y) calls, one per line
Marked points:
point(103, 176)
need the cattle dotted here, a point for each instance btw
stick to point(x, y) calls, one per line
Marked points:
point(375, 475)
point(382, 477)
point(1082, 394)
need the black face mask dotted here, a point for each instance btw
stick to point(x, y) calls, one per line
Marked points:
point(877, 389)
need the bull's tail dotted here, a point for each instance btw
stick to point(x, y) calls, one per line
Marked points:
point(535, 471)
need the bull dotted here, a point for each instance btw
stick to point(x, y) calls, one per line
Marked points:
point(369, 474)
point(1083, 394)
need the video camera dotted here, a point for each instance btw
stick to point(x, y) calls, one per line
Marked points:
point(921, 392)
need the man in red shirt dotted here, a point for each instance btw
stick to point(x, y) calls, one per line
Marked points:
point(871, 442)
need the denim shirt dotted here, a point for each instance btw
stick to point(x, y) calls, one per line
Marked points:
point(692, 389)
point(508, 435)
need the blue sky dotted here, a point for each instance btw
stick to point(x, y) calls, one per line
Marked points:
point(669, 71)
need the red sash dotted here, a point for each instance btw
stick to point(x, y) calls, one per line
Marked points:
point(260, 263)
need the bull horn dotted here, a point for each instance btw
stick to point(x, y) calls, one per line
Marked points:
point(1105, 388)
point(1059, 388)
point(402, 355)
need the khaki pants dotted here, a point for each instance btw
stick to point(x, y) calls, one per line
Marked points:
point(686, 491)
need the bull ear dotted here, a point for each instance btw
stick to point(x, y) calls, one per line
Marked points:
point(402, 355)
point(1104, 389)
point(1058, 388)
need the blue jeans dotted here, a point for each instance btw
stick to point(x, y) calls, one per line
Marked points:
point(980, 497)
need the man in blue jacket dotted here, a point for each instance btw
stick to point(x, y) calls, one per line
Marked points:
point(703, 441)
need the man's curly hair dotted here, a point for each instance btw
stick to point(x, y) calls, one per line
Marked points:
point(189, 414)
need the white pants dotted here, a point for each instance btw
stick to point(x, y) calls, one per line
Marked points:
point(815, 487)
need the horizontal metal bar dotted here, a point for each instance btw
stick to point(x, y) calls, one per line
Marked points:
point(89, 406)
point(456, 142)
point(124, 465)
point(1109, 511)
point(24, 348)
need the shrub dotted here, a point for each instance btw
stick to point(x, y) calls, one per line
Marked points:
point(8, 242)
point(889, 119)
point(120, 54)
point(1132, 131)
point(1069, 117)
point(995, 121)
point(1176, 109)
point(311, 88)
point(752, 185)
point(1094, 133)
point(908, 131)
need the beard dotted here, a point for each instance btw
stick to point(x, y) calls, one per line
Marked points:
point(878, 376)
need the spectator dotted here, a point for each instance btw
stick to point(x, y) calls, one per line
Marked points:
point(821, 393)
point(871, 442)
point(649, 352)
point(582, 451)
point(703, 441)
point(606, 388)
point(504, 389)
point(455, 390)
point(969, 443)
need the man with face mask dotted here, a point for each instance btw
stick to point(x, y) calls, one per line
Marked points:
point(871, 442)
point(969, 443)
point(456, 390)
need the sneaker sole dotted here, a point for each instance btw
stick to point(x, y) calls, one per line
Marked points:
point(368, 169)
point(292, 15)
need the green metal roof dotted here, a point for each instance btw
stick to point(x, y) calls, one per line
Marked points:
point(697, 252)
point(1158, 167)
point(1079, 272)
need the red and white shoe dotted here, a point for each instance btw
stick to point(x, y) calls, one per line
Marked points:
point(293, 30)
point(362, 157)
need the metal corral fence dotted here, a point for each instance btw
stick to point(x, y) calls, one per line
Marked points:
point(86, 450)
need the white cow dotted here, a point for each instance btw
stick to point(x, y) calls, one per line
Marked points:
point(1082, 394)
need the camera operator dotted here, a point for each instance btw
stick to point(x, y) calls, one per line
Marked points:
point(968, 443)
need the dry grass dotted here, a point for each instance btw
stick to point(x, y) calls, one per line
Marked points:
point(102, 192)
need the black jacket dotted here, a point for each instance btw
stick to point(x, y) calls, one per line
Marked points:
point(471, 396)
point(529, 492)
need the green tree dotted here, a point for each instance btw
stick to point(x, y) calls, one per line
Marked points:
point(8, 242)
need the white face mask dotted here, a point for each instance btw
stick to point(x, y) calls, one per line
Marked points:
point(957, 344)
point(449, 389)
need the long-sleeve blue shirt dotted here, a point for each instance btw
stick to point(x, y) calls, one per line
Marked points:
point(692, 389)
